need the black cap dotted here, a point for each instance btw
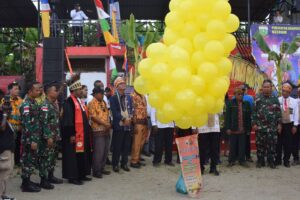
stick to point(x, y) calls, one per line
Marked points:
point(97, 90)
point(107, 89)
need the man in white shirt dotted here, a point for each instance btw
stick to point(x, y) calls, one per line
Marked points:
point(290, 120)
point(77, 16)
point(209, 141)
point(278, 19)
point(163, 134)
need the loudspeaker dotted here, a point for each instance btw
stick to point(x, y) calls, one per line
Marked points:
point(53, 59)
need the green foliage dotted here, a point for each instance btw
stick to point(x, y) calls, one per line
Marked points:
point(293, 47)
point(284, 47)
point(261, 42)
point(273, 56)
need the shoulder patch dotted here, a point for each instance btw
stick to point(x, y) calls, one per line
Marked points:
point(26, 109)
point(45, 108)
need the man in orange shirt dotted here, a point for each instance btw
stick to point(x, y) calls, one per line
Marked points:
point(99, 117)
point(140, 128)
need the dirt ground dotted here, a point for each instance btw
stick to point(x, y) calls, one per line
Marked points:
point(159, 184)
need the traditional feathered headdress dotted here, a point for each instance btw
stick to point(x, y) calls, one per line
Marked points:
point(74, 82)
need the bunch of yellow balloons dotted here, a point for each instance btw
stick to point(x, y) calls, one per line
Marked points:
point(186, 76)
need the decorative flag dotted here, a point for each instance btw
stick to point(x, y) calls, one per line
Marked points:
point(113, 67)
point(114, 10)
point(45, 9)
point(115, 7)
point(102, 15)
point(125, 64)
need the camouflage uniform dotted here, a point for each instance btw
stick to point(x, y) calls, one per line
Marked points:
point(31, 132)
point(50, 129)
point(266, 115)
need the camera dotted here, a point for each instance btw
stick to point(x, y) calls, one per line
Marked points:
point(6, 106)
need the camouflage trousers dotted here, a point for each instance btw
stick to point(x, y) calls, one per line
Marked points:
point(43, 159)
point(29, 161)
point(266, 145)
point(47, 160)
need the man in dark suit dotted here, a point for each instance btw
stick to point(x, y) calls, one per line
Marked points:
point(122, 112)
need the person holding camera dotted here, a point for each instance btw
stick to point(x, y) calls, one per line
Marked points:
point(7, 146)
point(15, 101)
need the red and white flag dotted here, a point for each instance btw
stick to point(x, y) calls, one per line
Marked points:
point(100, 10)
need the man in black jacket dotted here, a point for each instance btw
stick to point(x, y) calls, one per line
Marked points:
point(237, 123)
point(7, 146)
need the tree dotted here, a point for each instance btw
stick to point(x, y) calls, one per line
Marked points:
point(280, 59)
point(136, 48)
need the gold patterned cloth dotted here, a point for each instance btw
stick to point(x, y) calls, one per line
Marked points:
point(140, 109)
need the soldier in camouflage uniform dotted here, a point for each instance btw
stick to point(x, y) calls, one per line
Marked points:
point(30, 140)
point(50, 133)
point(266, 120)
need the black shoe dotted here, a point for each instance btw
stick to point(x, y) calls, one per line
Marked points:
point(263, 163)
point(147, 154)
point(272, 165)
point(214, 171)
point(142, 159)
point(170, 164)
point(135, 165)
point(202, 170)
point(287, 164)
point(97, 175)
point(86, 178)
point(28, 186)
point(244, 164)
point(142, 164)
point(116, 168)
point(108, 162)
point(53, 179)
point(105, 172)
point(277, 163)
point(296, 162)
point(45, 184)
point(125, 168)
point(75, 182)
point(155, 164)
point(249, 159)
point(258, 165)
point(4, 197)
point(230, 164)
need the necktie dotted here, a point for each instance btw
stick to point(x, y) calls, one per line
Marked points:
point(285, 106)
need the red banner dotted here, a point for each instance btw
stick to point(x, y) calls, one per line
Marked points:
point(190, 164)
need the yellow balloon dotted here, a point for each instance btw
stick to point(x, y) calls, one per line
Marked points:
point(224, 66)
point(184, 122)
point(178, 56)
point(209, 102)
point(186, 44)
point(185, 99)
point(200, 120)
point(214, 50)
point(232, 23)
point(218, 88)
point(189, 30)
point(155, 100)
point(170, 36)
point(167, 92)
point(202, 20)
point(174, 21)
point(199, 105)
point(186, 7)
point(197, 59)
point(156, 50)
point(207, 71)
point(174, 4)
point(140, 85)
point(159, 72)
point(170, 111)
point(229, 42)
point(216, 29)
point(180, 76)
point(199, 41)
point(144, 67)
point(197, 84)
point(162, 118)
point(218, 107)
point(221, 9)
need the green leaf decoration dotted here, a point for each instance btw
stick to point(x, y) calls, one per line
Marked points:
point(261, 42)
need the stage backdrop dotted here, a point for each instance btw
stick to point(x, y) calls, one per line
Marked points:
point(274, 35)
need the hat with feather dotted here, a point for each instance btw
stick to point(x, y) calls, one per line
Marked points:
point(74, 82)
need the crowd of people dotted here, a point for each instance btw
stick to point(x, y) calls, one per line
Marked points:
point(85, 128)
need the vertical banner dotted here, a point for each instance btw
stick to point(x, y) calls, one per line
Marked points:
point(190, 163)
point(274, 35)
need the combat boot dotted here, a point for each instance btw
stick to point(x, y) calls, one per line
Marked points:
point(28, 186)
point(52, 179)
point(45, 184)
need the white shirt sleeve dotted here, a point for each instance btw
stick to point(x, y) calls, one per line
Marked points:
point(153, 117)
point(296, 112)
point(73, 13)
point(83, 15)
